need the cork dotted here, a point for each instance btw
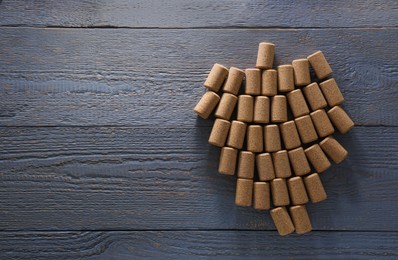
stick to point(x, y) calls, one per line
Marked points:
point(246, 165)
point(237, 134)
point(244, 192)
point(262, 196)
point(290, 135)
point(228, 161)
point(314, 96)
point(301, 69)
point(206, 104)
point(285, 78)
point(300, 219)
point(280, 194)
point(282, 221)
point(254, 141)
point(298, 194)
point(322, 123)
point(331, 92)
point(253, 82)
point(299, 161)
point(261, 109)
point(245, 108)
point(278, 109)
point(216, 77)
point(269, 83)
point(320, 65)
point(265, 55)
point(226, 106)
point(265, 167)
point(219, 132)
point(333, 149)
point(297, 103)
point(340, 119)
point(272, 138)
point(314, 187)
point(281, 164)
point(317, 158)
point(234, 81)
point(306, 129)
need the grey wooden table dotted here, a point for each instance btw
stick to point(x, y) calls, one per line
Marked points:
point(101, 155)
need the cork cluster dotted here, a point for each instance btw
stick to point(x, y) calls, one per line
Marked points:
point(281, 138)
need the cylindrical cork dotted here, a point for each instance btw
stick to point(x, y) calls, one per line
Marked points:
point(320, 65)
point(269, 83)
point(262, 196)
point(244, 192)
point(245, 108)
point(322, 123)
point(282, 221)
point(331, 92)
point(297, 103)
point(285, 78)
point(265, 55)
point(226, 106)
point(281, 164)
point(237, 134)
point(234, 81)
point(265, 167)
point(301, 69)
point(261, 109)
point(216, 77)
point(314, 96)
point(219, 132)
point(246, 165)
point(317, 158)
point(340, 119)
point(228, 161)
point(254, 141)
point(314, 187)
point(300, 218)
point(272, 138)
point(299, 161)
point(253, 82)
point(333, 149)
point(290, 135)
point(306, 129)
point(280, 194)
point(278, 109)
point(206, 104)
point(298, 194)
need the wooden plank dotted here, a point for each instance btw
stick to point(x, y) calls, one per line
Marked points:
point(160, 178)
point(125, 77)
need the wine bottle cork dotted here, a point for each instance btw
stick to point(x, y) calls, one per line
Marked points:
point(216, 77)
point(237, 134)
point(206, 104)
point(219, 132)
point(299, 161)
point(331, 92)
point(253, 82)
point(254, 139)
point(301, 68)
point(314, 96)
point(234, 81)
point(333, 149)
point(262, 196)
point(265, 167)
point(322, 123)
point(317, 158)
point(245, 108)
point(226, 106)
point(300, 218)
point(269, 83)
point(272, 138)
point(298, 194)
point(228, 158)
point(297, 103)
point(314, 187)
point(244, 192)
point(320, 65)
point(265, 55)
point(261, 109)
point(285, 78)
point(280, 194)
point(246, 165)
point(290, 135)
point(281, 164)
point(340, 119)
point(306, 129)
point(278, 109)
point(282, 221)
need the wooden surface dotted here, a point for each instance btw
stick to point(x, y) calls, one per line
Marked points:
point(102, 157)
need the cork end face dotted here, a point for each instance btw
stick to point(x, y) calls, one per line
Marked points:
point(315, 54)
point(200, 114)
